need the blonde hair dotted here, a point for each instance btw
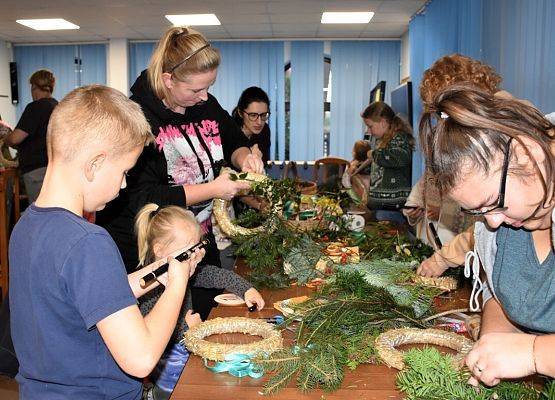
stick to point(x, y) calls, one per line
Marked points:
point(44, 80)
point(92, 116)
point(172, 56)
point(156, 224)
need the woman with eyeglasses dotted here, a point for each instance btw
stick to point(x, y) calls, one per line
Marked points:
point(251, 115)
point(496, 158)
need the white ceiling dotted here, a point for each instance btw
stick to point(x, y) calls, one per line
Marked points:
point(241, 19)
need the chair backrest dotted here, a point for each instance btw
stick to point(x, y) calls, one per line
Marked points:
point(9, 205)
point(332, 169)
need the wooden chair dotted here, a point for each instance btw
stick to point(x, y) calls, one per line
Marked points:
point(333, 169)
point(305, 187)
point(9, 194)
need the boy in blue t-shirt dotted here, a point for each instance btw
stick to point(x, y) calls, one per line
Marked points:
point(76, 327)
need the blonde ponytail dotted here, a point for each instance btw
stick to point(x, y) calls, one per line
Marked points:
point(156, 224)
point(174, 47)
point(142, 227)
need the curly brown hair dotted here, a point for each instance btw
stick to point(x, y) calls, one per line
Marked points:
point(453, 69)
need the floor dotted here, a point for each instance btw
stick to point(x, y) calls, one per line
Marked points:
point(8, 389)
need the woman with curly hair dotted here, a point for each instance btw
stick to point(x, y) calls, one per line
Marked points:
point(448, 70)
point(456, 68)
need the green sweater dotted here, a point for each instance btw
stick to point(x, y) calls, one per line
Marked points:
point(390, 179)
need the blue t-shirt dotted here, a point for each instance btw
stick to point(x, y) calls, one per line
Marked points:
point(524, 286)
point(65, 276)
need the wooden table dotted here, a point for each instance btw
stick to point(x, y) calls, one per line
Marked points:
point(366, 382)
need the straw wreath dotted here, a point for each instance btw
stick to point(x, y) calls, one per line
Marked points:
point(387, 341)
point(194, 337)
point(445, 283)
point(221, 208)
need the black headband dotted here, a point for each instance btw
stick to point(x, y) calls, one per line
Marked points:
point(188, 57)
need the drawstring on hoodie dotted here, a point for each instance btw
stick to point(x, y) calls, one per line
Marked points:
point(477, 285)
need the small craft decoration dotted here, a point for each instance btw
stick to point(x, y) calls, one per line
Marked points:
point(340, 253)
point(386, 342)
point(194, 338)
point(284, 306)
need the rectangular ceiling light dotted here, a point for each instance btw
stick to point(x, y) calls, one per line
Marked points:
point(52, 24)
point(346, 17)
point(193, 19)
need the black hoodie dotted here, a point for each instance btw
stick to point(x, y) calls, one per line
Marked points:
point(188, 148)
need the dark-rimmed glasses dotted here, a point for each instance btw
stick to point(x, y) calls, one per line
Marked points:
point(500, 203)
point(254, 116)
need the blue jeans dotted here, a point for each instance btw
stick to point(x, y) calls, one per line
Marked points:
point(168, 370)
point(387, 215)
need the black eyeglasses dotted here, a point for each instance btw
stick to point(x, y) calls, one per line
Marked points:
point(500, 203)
point(254, 116)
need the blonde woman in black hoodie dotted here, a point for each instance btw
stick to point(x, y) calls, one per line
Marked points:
point(194, 137)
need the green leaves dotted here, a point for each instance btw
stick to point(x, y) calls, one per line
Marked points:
point(238, 177)
point(432, 376)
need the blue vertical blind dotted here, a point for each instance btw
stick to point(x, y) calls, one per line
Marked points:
point(445, 27)
point(63, 61)
point(254, 63)
point(515, 37)
point(356, 67)
point(519, 42)
point(138, 58)
point(92, 64)
point(307, 100)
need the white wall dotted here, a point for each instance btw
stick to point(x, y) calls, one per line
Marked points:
point(7, 110)
point(405, 56)
point(117, 69)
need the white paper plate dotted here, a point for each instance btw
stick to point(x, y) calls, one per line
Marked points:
point(229, 299)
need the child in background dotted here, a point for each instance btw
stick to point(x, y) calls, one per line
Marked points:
point(357, 175)
point(76, 327)
point(161, 231)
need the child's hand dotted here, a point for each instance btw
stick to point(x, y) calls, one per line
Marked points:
point(253, 296)
point(192, 319)
point(413, 212)
point(178, 273)
point(195, 258)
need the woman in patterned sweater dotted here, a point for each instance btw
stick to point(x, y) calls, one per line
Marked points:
point(390, 181)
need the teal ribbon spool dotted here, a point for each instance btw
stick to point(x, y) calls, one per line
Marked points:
point(238, 365)
point(358, 237)
point(288, 209)
point(304, 215)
